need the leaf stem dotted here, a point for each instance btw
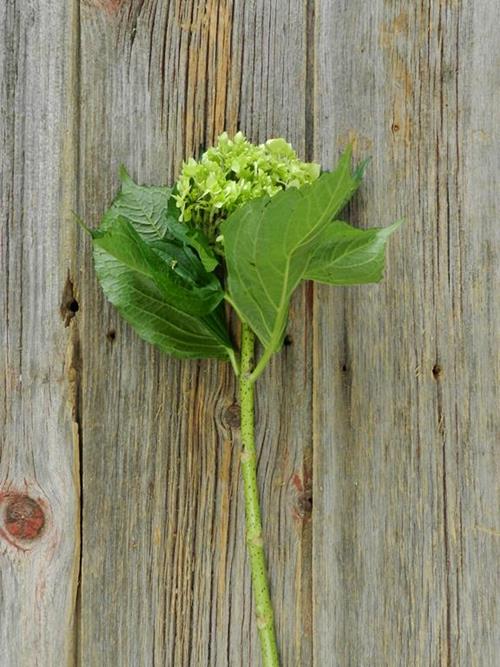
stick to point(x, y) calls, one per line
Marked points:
point(255, 544)
point(262, 363)
point(234, 361)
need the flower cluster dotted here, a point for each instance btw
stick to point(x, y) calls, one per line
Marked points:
point(233, 172)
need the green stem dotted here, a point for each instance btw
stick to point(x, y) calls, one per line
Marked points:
point(234, 362)
point(263, 361)
point(255, 544)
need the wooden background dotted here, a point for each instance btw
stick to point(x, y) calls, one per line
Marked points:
point(121, 517)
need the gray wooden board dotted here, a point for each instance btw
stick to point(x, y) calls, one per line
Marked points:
point(406, 400)
point(39, 483)
point(384, 405)
point(164, 571)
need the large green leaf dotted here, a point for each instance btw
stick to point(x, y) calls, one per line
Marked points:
point(154, 271)
point(175, 271)
point(273, 244)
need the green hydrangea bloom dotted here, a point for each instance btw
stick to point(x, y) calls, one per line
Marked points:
point(233, 172)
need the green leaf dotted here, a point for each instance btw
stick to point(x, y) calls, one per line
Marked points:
point(145, 207)
point(190, 236)
point(196, 239)
point(349, 256)
point(273, 244)
point(148, 268)
point(174, 272)
point(154, 214)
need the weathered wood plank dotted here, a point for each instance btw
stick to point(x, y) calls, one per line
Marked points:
point(406, 373)
point(164, 572)
point(403, 388)
point(39, 478)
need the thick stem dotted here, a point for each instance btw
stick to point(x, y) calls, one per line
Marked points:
point(255, 544)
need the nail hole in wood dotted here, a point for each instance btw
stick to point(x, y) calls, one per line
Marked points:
point(395, 127)
point(111, 335)
point(437, 371)
point(69, 305)
point(305, 503)
point(287, 341)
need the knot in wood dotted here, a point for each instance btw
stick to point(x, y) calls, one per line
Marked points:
point(24, 518)
point(232, 416)
point(303, 497)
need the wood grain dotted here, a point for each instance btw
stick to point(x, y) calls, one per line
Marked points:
point(378, 422)
point(406, 373)
point(39, 459)
point(164, 570)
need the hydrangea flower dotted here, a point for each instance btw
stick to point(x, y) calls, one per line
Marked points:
point(233, 172)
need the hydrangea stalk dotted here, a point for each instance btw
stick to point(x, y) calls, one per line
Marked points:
point(254, 534)
point(243, 226)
